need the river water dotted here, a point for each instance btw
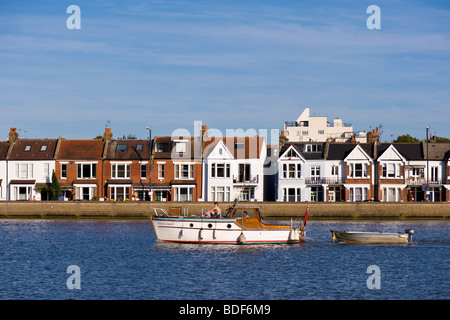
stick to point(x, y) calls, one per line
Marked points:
point(123, 260)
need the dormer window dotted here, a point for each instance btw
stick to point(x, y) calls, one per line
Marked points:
point(313, 148)
point(239, 145)
point(122, 147)
point(27, 148)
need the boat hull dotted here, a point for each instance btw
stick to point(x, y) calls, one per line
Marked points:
point(221, 231)
point(369, 237)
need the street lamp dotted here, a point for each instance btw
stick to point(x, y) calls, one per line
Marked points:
point(150, 163)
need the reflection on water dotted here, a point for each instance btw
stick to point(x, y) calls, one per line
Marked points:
point(123, 260)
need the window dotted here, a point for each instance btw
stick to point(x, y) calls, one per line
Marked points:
point(313, 148)
point(86, 170)
point(239, 145)
point(27, 148)
point(244, 172)
point(84, 193)
point(292, 195)
point(120, 170)
point(220, 170)
point(47, 171)
point(292, 154)
point(391, 170)
point(321, 131)
point(334, 170)
point(358, 194)
point(184, 171)
point(162, 147)
point(292, 171)
point(358, 170)
point(220, 194)
point(43, 148)
point(315, 172)
point(121, 147)
point(63, 170)
point(24, 170)
point(183, 193)
point(317, 194)
point(139, 147)
point(143, 171)
point(119, 193)
point(161, 170)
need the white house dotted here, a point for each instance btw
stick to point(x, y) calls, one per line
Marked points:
point(31, 163)
point(359, 175)
point(233, 167)
point(302, 172)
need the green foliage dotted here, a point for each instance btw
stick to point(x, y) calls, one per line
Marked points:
point(56, 187)
point(406, 138)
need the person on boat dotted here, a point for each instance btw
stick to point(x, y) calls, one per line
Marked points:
point(213, 213)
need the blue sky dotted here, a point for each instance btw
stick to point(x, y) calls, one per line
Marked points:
point(230, 64)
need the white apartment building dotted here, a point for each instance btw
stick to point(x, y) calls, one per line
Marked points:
point(318, 129)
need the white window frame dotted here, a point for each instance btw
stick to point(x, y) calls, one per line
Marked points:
point(179, 171)
point(115, 170)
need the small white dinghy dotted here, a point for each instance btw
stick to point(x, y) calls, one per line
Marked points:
point(372, 237)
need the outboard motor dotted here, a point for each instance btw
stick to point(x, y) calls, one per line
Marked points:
point(410, 233)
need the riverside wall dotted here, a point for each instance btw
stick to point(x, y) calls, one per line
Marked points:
point(269, 210)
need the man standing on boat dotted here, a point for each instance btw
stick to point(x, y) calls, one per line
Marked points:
point(213, 213)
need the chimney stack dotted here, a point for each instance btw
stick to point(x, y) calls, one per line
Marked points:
point(107, 136)
point(13, 135)
point(282, 139)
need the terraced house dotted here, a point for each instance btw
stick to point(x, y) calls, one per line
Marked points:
point(233, 167)
point(126, 168)
point(79, 169)
point(29, 167)
point(176, 169)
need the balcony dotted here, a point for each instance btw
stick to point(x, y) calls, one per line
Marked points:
point(246, 180)
point(327, 180)
point(413, 181)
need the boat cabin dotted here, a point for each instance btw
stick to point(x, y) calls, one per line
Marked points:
point(249, 217)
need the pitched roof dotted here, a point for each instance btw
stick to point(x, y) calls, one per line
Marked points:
point(438, 151)
point(80, 150)
point(411, 151)
point(3, 149)
point(128, 150)
point(240, 147)
point(33, 149)
point(339, 151)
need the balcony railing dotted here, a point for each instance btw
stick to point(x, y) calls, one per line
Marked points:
point(421, 181)
point(327, 180)
point(243, 180)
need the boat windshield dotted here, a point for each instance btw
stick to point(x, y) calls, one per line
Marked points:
point(244, 212)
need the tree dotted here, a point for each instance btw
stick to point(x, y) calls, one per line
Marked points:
point(406, 138)
point(56, 187)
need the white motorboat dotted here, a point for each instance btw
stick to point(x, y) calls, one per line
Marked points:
point(240, 225)
point(372, 237)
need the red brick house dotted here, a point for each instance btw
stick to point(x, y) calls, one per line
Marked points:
point(126, 170)
point(176, 169)
point(79, 169)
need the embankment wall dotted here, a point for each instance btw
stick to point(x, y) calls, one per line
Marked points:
point(269, 210)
